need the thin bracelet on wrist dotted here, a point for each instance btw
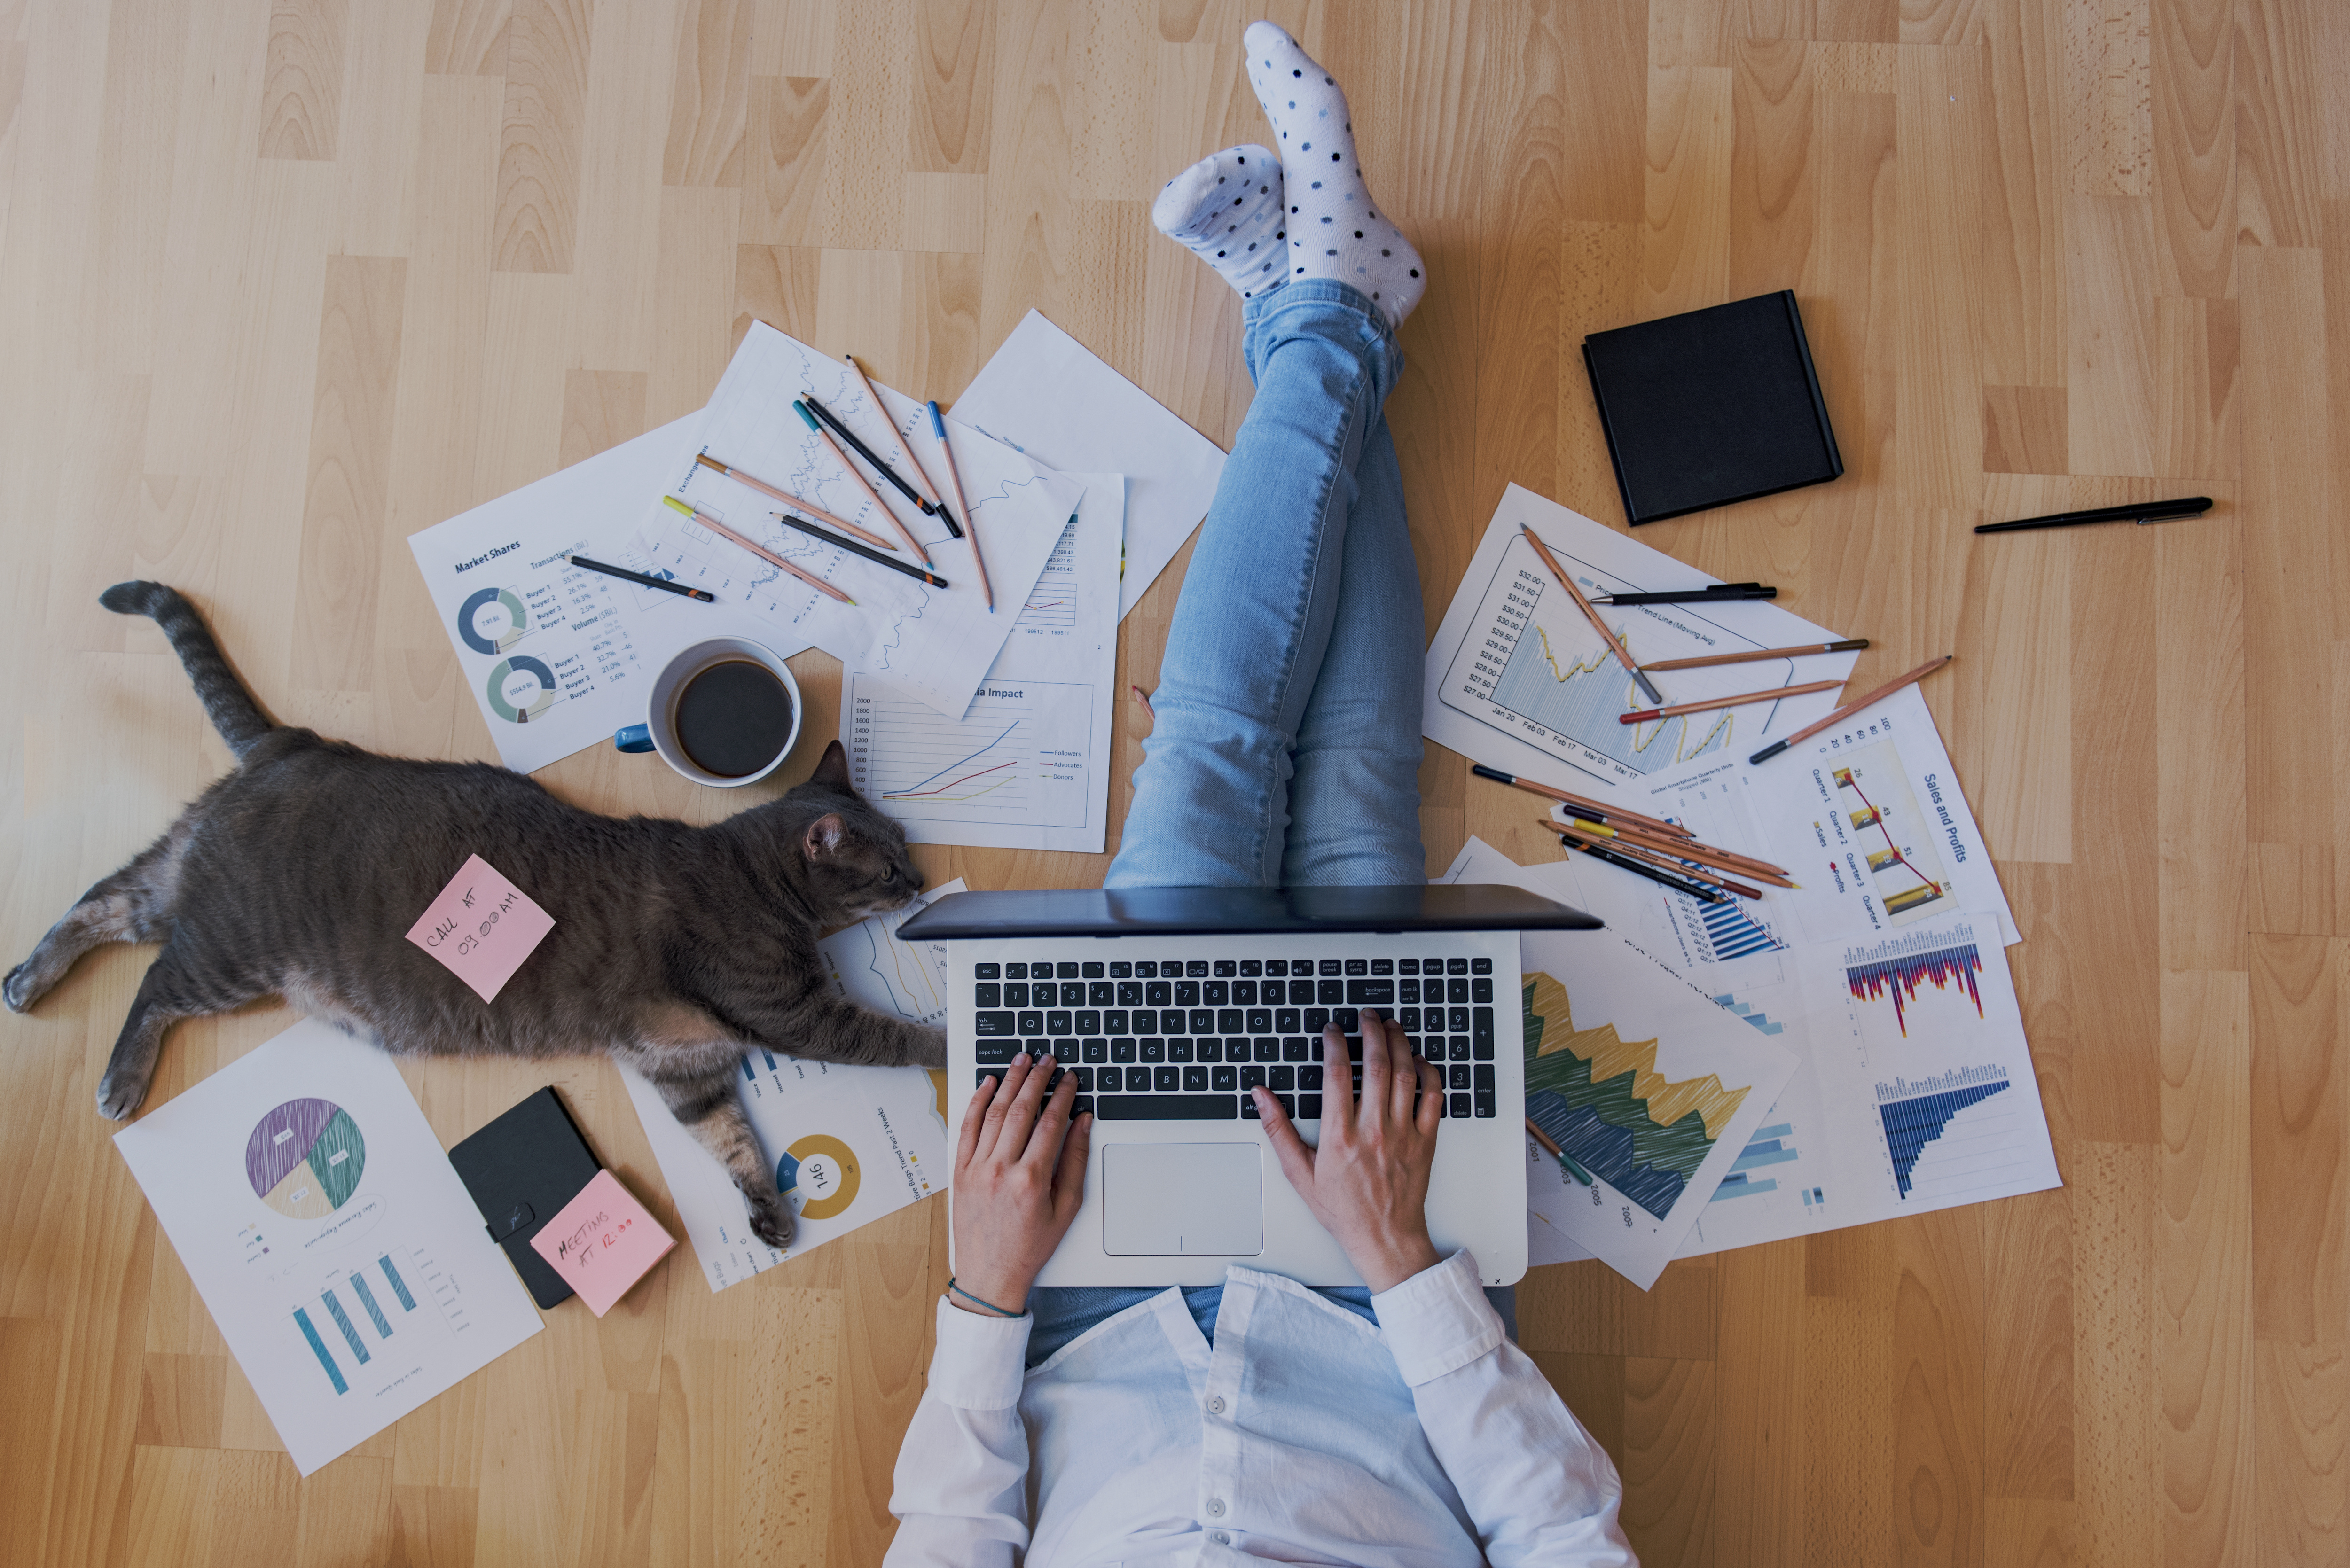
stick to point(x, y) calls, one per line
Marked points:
point(990, 1305)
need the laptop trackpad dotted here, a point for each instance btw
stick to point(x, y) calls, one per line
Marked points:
point(1164, 1199)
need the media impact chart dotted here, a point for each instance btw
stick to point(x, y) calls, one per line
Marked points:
point(1021, 754)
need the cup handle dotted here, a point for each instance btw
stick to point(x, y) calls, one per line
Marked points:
point(635, 738)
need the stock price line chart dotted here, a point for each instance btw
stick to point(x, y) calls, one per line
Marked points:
point(1532, 666)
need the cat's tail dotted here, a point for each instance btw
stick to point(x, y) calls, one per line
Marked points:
point(231, 707)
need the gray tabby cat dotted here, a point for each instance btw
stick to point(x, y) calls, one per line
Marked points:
point(674, 947)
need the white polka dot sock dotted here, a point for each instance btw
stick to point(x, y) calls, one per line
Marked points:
point(1334, 230)
point(1226, 209)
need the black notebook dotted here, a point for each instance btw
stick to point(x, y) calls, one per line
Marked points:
point(522, 1168)
point(1711, 407)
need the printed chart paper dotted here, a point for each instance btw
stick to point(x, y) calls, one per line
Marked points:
point(847, 1144)
point(1917, 1090)
point(1049, 396)
point(331, 1240)
point(1517, 678)
point(1027, 767)
point(935, 642)
point(1869, 817)
point(1647, 1083)
point(557, 657)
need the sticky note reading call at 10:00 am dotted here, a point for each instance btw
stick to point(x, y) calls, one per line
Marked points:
point(482, 927)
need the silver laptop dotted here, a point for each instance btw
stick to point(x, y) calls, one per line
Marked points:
point(1169, 1003)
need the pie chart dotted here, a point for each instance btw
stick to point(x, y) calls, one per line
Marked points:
point(305, 1157)
point(491, 621)
point(520, 688)
point(820, 1172)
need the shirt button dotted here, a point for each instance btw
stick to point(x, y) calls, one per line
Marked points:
point(1216, 1507)
point(1221, 1539)
point(1215, 1404)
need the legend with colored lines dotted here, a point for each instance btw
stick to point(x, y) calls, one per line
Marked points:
point(1020, 756)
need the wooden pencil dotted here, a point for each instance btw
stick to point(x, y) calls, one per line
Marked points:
point(1614, 644)
point(1848, 645)
point(854, 548)
point(832, 444)
point(1849, 709)
point(932, 491)
point(1697, 890)
point(1665, 859)
point(1742, 699)
point(724, 532)
point(1690, 849)
point(1598, 809)
point(788, 499)
point(970, 523)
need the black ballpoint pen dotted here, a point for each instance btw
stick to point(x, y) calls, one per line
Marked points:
point(2142, 512)
point(854, 548)
point(663, 584)
point(883, 468)
point(1718, 593)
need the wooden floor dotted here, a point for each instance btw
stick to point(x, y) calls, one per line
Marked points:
point(282, 284)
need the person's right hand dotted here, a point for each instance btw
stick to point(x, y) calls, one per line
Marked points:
point(1019, 1178)
point(1368, 1181)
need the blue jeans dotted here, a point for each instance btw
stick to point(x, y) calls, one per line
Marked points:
point(1284, 750)
point(1285, 747)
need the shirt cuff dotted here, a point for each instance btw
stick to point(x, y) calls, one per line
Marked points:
point(1438, 1320)
point(981, 1362)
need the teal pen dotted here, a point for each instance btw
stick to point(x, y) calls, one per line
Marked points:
point(913, 547)
point(971, 522)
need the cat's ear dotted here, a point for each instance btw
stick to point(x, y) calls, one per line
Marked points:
point(832, 773)
point(823, 837)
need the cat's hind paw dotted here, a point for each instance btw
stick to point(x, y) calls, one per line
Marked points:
point(20, 989)
point(118, 1095)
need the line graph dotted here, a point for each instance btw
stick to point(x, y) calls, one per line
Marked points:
point(1052, 605)
point(1532, 667)
point(1018, 756)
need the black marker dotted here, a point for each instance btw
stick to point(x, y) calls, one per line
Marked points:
point(663, 584)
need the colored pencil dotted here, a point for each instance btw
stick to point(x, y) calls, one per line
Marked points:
point(1558, 1154)
point(868, 455)
point(913, 547)
point(854, 548)
point(1623, 656)
point(1664, 859)
point(905, 444)
point(1598, 809)
point(724, 532)
point(663, 584)
point(954, 473)
point(1849, 709)
point(1849, 644)
point(788, 499)
point(1704, 854)
point(1677, 709)
point(1704, 895)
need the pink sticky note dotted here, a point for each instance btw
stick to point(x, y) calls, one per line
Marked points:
point(602, 1242)
point(483, 926)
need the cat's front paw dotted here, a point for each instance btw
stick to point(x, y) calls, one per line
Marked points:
point(771, 1219)
point(18, 990)
point(118, 1095)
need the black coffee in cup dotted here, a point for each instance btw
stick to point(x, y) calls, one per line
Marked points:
point(733, 717)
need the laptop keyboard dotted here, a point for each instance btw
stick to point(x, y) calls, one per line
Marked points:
point(1184, 1040)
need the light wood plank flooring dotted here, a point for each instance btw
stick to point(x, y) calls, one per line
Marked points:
point(283, 281)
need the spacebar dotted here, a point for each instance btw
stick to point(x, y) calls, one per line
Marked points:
point(1166, 1109)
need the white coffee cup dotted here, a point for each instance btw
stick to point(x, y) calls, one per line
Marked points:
point(659, 732)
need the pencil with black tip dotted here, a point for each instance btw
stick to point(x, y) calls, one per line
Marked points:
point(873, 459)
point(724, 532)
point(914, 546)
point(1642, 716)
point(1626, 863)
point(1690, 849)
point(1849, 644)
point(1597, 810)
point(788, 499)
point(931, 493)
point(1614, 644)
point(1849, 709)
point(1663, 859)
point(854, 548)
point(954, 473)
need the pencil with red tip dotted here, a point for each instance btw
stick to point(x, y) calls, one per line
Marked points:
point(1849, 709)
point(970, 521)
point(848, 468)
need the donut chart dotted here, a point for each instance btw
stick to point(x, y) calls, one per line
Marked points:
point(829, 1171)
point(520, 688)
point(304, 1159)
point(491, 621)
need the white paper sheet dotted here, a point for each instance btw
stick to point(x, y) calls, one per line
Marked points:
point(558, 657)
point(1602, 1008)
point(1517, 678)
point(848, 1145)
point(937, 642)
point(1050, 396)
point(1867, 817)
point(332, 1241)
point(1028, 766)
point(1917, 1090)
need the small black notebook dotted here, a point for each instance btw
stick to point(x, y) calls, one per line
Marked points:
point(522, 1168)
point(1711, 407)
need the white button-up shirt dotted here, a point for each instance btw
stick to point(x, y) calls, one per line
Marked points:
point(1303, 1433)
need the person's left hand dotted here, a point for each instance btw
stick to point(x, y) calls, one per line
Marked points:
point(1019, 1176)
